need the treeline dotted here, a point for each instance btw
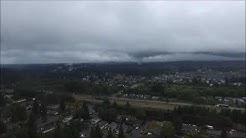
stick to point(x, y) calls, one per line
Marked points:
point(85, 87)
point(56, 88)
point(153, 88)
point(109, 111)
point(188, 93)
point(13, 73)
point(224, 119)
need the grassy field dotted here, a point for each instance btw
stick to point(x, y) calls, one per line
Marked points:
point(143, 103)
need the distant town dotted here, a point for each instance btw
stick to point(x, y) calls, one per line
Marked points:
point(123, 101)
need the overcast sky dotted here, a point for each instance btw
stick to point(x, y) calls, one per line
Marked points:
point(83, 31)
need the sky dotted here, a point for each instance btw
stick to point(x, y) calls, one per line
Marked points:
point(121, 31)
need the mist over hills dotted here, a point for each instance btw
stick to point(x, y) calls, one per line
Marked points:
point(140, 31)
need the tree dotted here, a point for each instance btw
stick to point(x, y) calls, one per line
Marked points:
point(72, 86)
point(72, 130)
point(98, 132)
point(106, 103)
point(140, 113)
point(75, 127)
point(128, 104)
point(35, 107)
point(43, 111)
point(158, 89)
point(92, 133)
point(167, 100)
point(21, 132)
point(108, 114)
point(195, 80)
point(2, 99)
point(18, 113)
point(226, 81)
point(3, 128)
point(177, 124)
point(223, 134)
point(84, 111)
point(76, 110)
point(121, 132)
point(167, 130)
point(32, 126)
point(110, 134)
point(58, 133)
point(62, 105)
point(115, 105)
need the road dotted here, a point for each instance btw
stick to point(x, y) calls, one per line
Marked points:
point(146, 103)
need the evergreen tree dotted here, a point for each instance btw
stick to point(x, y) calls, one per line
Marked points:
point(223, 134)
point(3, 128)
point(62, 105)
point(32, 126)
point(92, 133)
point(167, 130)
point(43, 111)
point(167, 100)
point(115, 104)
point(177, 124)
point(35, 107)
point(72, 130)
point(121, 133)
point(21, 132)
point(226, 81)
point(2, 99)
point(86, 114)
point(106, 103)
point(98, 132)
point(18, 113)
point(58, 133)
point(110, 134)
point(76, 110)
point(128, 104)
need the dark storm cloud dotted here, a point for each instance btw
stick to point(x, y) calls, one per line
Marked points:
point(82, 31)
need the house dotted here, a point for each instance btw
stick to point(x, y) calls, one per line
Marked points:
point(48, 130)
point(155, 98)
point(237, 134)
point(217, 133)
point(52, 113)
point(83, 134)
point(52, 110)
point(213, 133)
point(102, 124)
point(124, 127)
point(95, 120)
point(112, 126)
point(155, 131)
point(47, 126)
point(209, 127)
point(67, 119)
point(53, 107)
point(20, 101)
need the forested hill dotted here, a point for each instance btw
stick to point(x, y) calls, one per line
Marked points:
point(12, 72)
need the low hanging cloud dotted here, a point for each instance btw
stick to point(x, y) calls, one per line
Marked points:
point(121, 31)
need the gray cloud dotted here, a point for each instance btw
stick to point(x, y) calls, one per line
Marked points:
point(83, 31)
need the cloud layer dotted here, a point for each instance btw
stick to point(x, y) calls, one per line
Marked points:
point(83, 31)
